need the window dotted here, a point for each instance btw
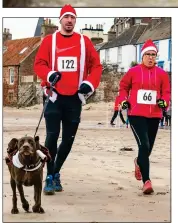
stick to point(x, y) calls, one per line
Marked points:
point(127, 25)
point(140, 48)
point(117, 30)
point(138, 21)
point(107, 55)
point(119, 54)
point(22, 51)
point(122, 69)
point(157, 45)
point(11, 75)
point(4, 48)
point(122, 27)
point(11, 96)
point(161, 64)
point(169, 50)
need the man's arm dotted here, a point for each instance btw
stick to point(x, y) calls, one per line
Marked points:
point(42, 64)
point(93, 64)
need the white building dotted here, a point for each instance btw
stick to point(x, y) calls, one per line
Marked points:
point(126, 48)
point(121, 56)
point(121, 51)
point(97, 32)
point(161, 36)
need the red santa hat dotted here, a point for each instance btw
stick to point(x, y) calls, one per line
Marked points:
point(148, 45)
point(67, 10)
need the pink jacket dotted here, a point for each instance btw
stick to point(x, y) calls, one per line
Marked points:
point(142, 86)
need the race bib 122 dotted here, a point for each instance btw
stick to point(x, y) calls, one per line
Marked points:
point(67, 64)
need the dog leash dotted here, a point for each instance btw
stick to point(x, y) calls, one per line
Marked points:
point(46, 102)
point(83, 98)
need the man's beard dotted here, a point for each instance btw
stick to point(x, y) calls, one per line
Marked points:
point(69, 28)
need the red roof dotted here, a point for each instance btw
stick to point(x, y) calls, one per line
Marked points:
point(15, 51)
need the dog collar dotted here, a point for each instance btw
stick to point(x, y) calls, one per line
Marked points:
point(33, 167)
point(16, 162)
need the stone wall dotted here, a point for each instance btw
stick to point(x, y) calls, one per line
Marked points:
point(39, 94)
point(108, 88)
point(26, 70)
point(29, 94)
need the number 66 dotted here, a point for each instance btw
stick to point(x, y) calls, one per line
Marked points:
point(145, 97)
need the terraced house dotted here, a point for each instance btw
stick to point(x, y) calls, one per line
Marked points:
point(130, 34)
point(160, 32)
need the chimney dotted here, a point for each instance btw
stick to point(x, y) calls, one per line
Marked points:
point(48, 28)
point(146, 20)
point(102, 27)
point(165, 19)
point(96, 40)
point(111, 35)
point(154, 22)
point(6, 35)
point(85, 26)
point(96, 26)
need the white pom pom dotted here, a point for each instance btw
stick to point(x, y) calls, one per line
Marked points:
point(41, 154)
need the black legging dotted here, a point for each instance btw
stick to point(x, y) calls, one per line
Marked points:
point(120, 115)
point(145, 131)
point(65, 110)
point(168, 120)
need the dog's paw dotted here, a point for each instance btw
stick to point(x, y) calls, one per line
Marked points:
point(26, 206)
point(14, 211)
point(37, 209)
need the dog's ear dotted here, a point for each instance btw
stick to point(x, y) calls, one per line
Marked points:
point(12, 145)
point(37, 140)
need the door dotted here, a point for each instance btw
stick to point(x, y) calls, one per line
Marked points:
point(161, 64)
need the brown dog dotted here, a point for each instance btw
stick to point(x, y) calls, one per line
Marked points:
point(25, 162)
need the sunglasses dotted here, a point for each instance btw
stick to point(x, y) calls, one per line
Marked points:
point(150, 55)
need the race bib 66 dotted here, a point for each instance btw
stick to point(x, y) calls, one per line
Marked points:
point(146, 97)
point(68, 64)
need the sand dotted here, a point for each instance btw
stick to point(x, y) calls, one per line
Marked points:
point(98, 178)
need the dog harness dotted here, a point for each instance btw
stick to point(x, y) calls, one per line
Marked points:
point(16, 162)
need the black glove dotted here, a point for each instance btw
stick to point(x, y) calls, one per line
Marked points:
point(55, 76)
point(84, 89)
point(125, 105)
point(162, 103)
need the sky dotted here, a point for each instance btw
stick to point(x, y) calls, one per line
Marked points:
point(25, 27)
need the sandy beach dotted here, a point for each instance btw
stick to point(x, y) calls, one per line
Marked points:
point(98, 178)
